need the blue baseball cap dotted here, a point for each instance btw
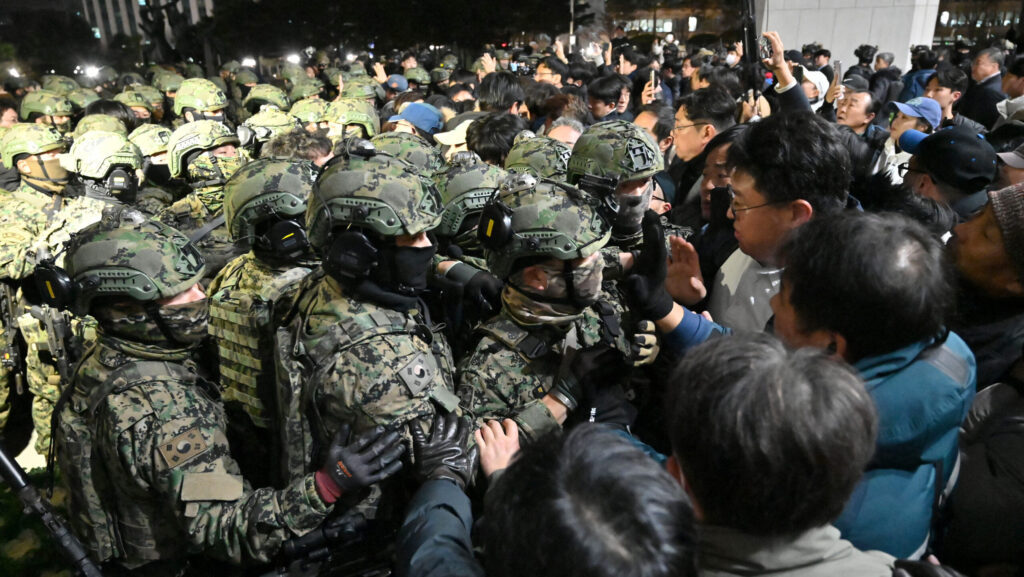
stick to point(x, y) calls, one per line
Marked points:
point(422, 116)
point(920, 107)
point(397, 83)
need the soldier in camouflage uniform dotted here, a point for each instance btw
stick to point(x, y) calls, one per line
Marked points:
point(103, 122)
point(204, 154)
point(158, 191)
point(59, 84)
point(107, 167)
point(200, 99)
point(138, 103)
point(263, 96)
point(543, 239)
point(412, 149)
point(541, 156)
point(465, 185)
point(43, 106)
point(141, 436)
point(265, 125)
point(351, 118)
point(312, 113)
point(48, 218)
point(265, 206)
point(307, 88)
point(361, 349)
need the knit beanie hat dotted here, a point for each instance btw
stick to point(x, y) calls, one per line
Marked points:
point(1008, 206)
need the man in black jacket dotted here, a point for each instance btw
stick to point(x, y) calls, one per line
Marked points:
point(979, 103)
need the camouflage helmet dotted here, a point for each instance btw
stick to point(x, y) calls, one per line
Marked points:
point(195, 137)
point(347, 111)
point(305, 88)
point(151, 138)
point(96, 152)
point(59, 84)
point(167, 81)
point(133, 99)
point(617, 150)
point(292, 72)
point(418, 75)
point(101, 122)
point(367, 89)
point(548, 219)
point(193, 70)
point(357, 70)
point(231, 67)
point(270, 123)
point(246, 76)
point(199, 94)
point(465, 186)
point(25, 138)
point(440, 74)
point(106, 74)
point(541, 156)
point(333, 75)
point(450, 61)
point(82, 97)
point(151, 94)
point(267, 93)
point(373, 191)
point(143, 262)
point(309, 110)
point(131, 79)
point(46, 103)
point(264, 190)
point(219, 83)
point(412, 149)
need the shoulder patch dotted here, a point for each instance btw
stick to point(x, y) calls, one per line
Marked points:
point(183, 447)
point(418, 373)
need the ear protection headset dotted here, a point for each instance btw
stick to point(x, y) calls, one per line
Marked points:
point(122, 182)
point(495, 229)
point(286, 239)
point(350, 256)
point(54, 286)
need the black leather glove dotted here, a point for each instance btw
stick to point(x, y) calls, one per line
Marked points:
point(645, 285)
point(360, 462)
point(444, 454)
point(483, 295)
point(607, 403)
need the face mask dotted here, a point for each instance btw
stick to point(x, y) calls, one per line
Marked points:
point(404, 269)
point(731, 59)
point(209, 171)
point(631, 209)
point(158, 174)
point(569, 291)
point(187, 323)
point(207, 116)
point(45, 175)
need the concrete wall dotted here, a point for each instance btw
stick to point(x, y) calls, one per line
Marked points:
point(842, 25)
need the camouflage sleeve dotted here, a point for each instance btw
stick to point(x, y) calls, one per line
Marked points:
point(498, 383)
point(612, 262)
point(387, 380)
point(15, 242)
point(179, 453)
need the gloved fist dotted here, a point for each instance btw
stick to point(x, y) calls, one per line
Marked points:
point(358, 463)
point(483, 294)
point(444, 455)
point(590, 367)
point(645, 286)
point(645, 346)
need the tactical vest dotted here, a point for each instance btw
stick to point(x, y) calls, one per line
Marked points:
point(242, 323)
point(211, 237)
point(301, 362)
point(94, 514)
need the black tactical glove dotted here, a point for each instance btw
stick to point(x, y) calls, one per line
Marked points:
point(481, 291)
point(353, 465)
point(444, 454)
point(645, 285)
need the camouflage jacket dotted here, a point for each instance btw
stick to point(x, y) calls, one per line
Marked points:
point(23, 216)
point(73, 215)
point(350, 361)
point(152, 199)
point(189, 215)
point(514, 366)
point(141, 442)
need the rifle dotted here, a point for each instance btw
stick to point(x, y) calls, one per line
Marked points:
point(36, 505)
point(10, 354)
point(58, 335)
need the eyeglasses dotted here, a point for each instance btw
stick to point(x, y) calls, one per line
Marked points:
point(904, 168)
point(543, 73)
point(682, 126)
point(736, 208)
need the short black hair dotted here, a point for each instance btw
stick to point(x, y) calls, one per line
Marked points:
point(724, 77)
point(926, 59)
point(1016, 66)
point(770, 442)
point(727, 136)
point(499, 90)
point(492, 136)
point(560, 510)
point(556, 66)
point(839, 267)
point(794, 156)
point(712, 104)
point(951, 77)
point(118, 110)
point(666, 119)
point(823, 52)
point(605, 89)
point(536, 95)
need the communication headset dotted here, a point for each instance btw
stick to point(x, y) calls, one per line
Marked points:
point(122, 182)
point(285, 239)
point(54, 286)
